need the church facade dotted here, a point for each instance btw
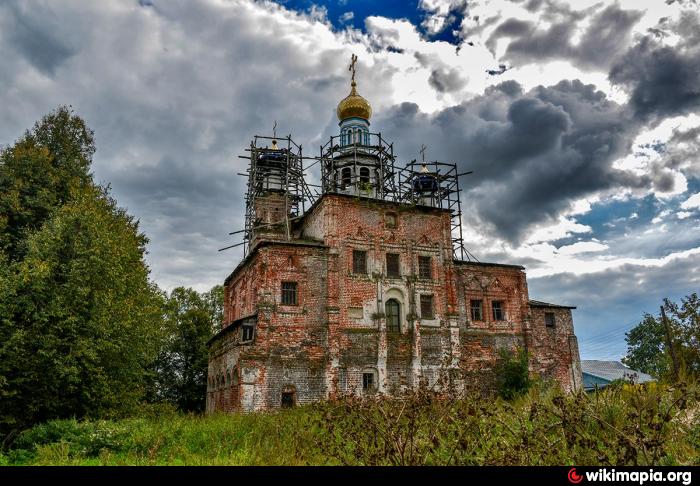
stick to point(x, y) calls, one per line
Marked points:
point(364, 291)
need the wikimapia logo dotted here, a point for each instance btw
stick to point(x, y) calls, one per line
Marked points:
point(574, 478)
point(639, 477)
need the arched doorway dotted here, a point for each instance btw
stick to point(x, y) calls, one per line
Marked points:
point(393, 315)
point(289, 396)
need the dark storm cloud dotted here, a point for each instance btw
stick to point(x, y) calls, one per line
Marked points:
point(532, 153)
point(607, 35)
point(663, 81)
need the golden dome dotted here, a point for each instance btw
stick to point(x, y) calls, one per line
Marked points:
point(354, 105)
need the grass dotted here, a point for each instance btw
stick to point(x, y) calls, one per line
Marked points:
point(644, 425)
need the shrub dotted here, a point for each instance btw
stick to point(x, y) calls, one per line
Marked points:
point(512, 373)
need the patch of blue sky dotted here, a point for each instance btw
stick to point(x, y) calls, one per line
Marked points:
point(361, 9)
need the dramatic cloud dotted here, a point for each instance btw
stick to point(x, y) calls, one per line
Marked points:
point(663, 80)
point(607, 34)
point(533, 154)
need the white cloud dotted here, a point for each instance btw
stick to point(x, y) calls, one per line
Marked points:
point(563, 228)
point(693, 202)
point(582, 247)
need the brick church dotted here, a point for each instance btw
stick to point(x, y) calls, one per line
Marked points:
point(362, 284)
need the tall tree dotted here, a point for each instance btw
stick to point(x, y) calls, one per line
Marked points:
point(79, 318)
point(214, 300)
point(180, 371)
point(84, 319)
point(41, 172)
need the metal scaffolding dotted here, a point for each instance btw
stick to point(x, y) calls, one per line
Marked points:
point(278, 170)
point(376, 152)
point(436, 184)
point(273, 170)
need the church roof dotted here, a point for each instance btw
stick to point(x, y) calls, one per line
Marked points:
point(539, 303)
point(612, 370)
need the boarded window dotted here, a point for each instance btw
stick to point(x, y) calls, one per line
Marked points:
point(424, 268)
point(426, 307)
point(364, 175)
point(476, 311)
point(549, 320)
point(289, 293)
point(393, 315)
point(390, 220)
point(359, 261)
point(368, 381)
point(498, 311)
point(392, 265)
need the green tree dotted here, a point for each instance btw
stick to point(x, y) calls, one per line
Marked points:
point(79, 318)
point(41, 172)
point(84, 317)
point(180, 370)
point(214, 300)
point(647, 348)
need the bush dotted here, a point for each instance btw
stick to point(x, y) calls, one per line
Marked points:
point(512, 373)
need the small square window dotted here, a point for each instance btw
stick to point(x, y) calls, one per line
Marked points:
point(289, 293)
point(390, 220)
point(476, 312)
point(498, 312)
point(424, 268)
point(368, 381)
point(392, 265)
point(359, 262)
point(549, 320)
point(426, 307)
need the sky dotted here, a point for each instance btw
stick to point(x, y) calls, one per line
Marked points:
point(580, 121)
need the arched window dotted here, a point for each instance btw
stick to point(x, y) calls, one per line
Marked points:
point(228, 378)
point(345, 177)
point(364, 175)
point(393, 315)
point(234, 377)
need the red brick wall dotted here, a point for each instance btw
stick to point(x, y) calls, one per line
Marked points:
point(554, 350)
point(338, 330)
